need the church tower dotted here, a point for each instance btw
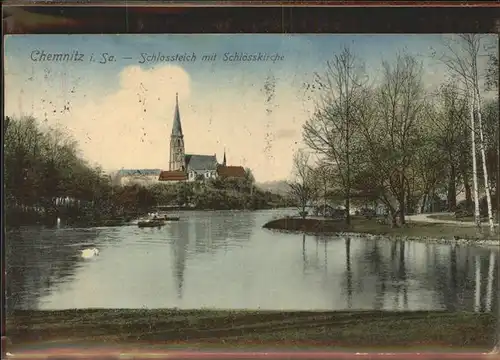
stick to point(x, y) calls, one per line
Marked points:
point(224, 160)
point(177, 152)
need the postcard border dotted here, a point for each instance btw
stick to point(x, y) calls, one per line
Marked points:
point(32, 17)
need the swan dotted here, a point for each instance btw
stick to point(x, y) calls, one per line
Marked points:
point(88, 253)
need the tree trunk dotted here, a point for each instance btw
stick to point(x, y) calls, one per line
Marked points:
point(402, 205)
point(409, 204)
point(452, 190)
point(466, 181)
point(477, 100)
point(498, 174)
point(468, 195)
point(348, 194)
point(348, 210)
point(424, 203)
point(324, 198)
point(477, 216)
point(393, 217)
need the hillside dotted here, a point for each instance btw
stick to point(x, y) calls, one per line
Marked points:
point(277, 187)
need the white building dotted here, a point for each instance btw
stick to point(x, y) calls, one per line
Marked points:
point(144, 177)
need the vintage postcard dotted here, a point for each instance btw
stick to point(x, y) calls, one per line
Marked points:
point(252, 189)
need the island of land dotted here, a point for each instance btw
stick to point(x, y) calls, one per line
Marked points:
point(425, 227)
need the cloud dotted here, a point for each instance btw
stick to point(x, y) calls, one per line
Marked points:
point(128, 128)
point(125, 127)
point(283, 134)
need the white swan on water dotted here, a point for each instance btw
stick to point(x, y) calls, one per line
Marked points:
point(89, 253)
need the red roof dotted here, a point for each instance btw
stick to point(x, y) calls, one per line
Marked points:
point(172, 176)
point(231, 171)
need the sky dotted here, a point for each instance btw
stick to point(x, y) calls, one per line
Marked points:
point(120, 109)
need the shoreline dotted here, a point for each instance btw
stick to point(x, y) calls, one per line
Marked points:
point(121, 223)
point(368, 329)
point(434, 233)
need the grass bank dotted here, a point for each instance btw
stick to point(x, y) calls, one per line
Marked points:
point(369, 329)
point(362, 225)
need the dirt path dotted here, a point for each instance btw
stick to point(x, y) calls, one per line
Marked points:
point(427, 219)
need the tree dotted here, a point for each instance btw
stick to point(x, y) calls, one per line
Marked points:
point(324, 176)
point(492, 144)
point(372, 179)
point(462, 60)
point(449, 119)
point(249, 177)
point(303, 187)
point(332, 131)
point(430, 165)
point(184, 194)
point(390, 121)
point(492, 72)
point(400, 105)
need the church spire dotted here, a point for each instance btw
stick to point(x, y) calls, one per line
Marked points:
point(224, 160)
point(177, 151)
point(177, 128)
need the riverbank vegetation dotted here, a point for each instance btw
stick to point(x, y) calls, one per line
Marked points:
point(45, 178)
point(367, 329)
point(393, 142)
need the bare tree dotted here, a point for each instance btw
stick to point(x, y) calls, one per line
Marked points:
point(462, 59)
point(323, 177)
point(303, 187)
point(491, 125)
point(430, 163)
point(373, 167)
point(389, 122)
point(492, 72)
point(400, 104)
point(449, 118)
point(331, 132)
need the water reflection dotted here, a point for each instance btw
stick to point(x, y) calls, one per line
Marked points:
point(489, 287)
point(348, 273)
point(180, 243)
point(226, 260)
point(211, 232)
point(397, 269)
point(477, 291)
point(39, 260)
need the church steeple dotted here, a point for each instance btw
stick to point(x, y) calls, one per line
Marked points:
point(224, 160)
point(177, 153)
point(177, 127)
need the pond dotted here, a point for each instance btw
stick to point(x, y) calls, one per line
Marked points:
point(226, 260)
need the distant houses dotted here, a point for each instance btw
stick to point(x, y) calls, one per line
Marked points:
point(136, 176)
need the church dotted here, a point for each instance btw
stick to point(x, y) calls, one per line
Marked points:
point(182, 167)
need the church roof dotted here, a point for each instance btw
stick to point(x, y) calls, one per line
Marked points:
point(177, 127)
point(172, 176)
point(147, 172)
point(231, 171)
point(201, 162)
